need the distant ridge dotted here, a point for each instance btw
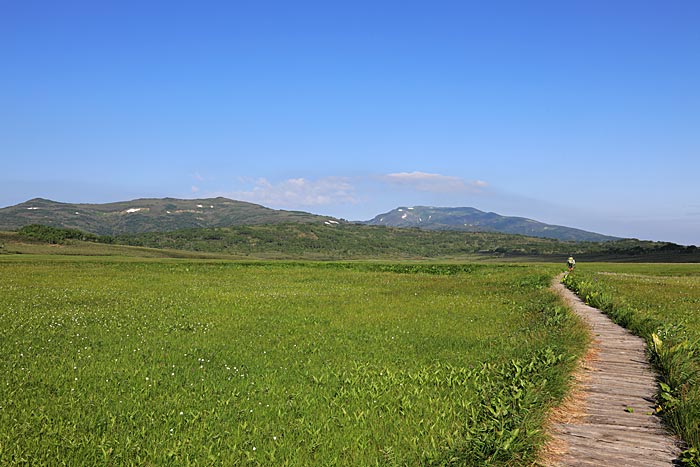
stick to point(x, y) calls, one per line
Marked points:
point(473, 220)
point(170, 214)
point(148, 215)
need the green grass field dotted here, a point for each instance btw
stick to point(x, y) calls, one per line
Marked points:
point(660, 302)
point(189, 362)
point(667, 292)
point(12, 244)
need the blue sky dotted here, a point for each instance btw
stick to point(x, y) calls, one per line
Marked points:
point(581, 113)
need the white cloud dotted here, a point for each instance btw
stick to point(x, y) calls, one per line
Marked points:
point(422, 181)
point(299, 192)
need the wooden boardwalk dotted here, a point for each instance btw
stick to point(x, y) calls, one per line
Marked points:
point(615, 423)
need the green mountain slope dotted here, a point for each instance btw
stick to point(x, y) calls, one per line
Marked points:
point(315, 241)
point(148, 215)
point(356, 241)
point(343, 241)
point(474, 220)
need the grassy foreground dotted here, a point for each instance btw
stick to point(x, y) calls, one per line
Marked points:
point(183, 362)
point(661, 303)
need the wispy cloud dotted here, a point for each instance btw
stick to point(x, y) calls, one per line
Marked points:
point(353, 197)
point(299, 192)
point(437, 183)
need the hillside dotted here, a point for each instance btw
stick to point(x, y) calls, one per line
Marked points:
point(348, 241)
point(474, 220)
point(148, 215)
point(313, 241)
point(356, 241)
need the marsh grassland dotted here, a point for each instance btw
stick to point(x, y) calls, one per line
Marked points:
point(183, 362)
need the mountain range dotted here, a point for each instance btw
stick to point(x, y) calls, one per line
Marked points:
point(148, 215)
point(170, 214)
point(474, 220)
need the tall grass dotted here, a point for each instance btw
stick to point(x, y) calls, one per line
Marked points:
point(113, 362)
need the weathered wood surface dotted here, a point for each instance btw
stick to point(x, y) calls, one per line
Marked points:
point(616, 425)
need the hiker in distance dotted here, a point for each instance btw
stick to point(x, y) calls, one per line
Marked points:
point(571, 263)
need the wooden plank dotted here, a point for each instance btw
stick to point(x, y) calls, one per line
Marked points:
point(613, 417)
point(596, 456)
point(617, 436)
point(620, 390)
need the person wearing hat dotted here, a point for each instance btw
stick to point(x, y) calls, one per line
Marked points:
point(571, 263)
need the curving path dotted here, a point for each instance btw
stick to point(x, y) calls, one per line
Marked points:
point(612, 422)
